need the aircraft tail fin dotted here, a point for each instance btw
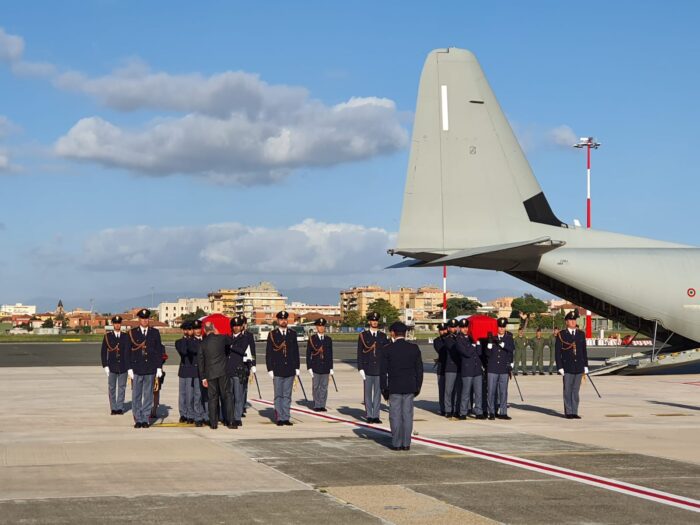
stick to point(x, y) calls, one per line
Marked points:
point(468, 182)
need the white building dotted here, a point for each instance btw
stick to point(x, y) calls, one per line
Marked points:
point(168, 312)
point(18, 309)
point(299, 308)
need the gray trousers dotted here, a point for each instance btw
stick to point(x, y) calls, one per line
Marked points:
point(401, 419)
point(441, 391)
point(203, 402)
point(551, 358)
point(189, 387)
point(520, 360)
point(538, 360)
point(498, 382)
point(237, 397)
point(373, 397)
point(283, 396)
point(142, 397)
point(471, 385)
point(116, 384)
point(319, 387)
point(452, 392)
point(572, 385)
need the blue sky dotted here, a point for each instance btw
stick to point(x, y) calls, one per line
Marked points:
point(102, 102)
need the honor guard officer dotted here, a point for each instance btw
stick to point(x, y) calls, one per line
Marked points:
point(572, 363)
point(145, 361)
point(538, 344)
point(250, 361)
point(401, 378)
point(452, 370)
point(282, 360)
point(319, 362)
point(440, 361)
point(521, 345)
point(115, 349)
point(187, 374)
point(236, 369)
point(201, 397)
point(499, 352)
point(469, 352)
point(369, 351)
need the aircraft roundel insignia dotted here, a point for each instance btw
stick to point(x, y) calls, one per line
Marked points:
point(691, 292)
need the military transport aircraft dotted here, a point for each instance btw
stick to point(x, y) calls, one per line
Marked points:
point(472, 200)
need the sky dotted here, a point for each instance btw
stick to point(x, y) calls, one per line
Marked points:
point(181, 146)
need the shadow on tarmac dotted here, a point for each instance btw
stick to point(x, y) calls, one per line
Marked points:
point(381, 439)
point(268, 413)
point(677, 405)
point(541, 410)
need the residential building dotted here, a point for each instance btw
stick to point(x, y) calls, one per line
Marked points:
point(169, 312)
point(502, 306)
point(259, 303)
point(18, 309)
point(423, 303)
point(325, 310)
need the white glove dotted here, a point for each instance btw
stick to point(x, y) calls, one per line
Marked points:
point(159, 373)
point(130, 373)
point(561, 371)
point(362, 373)
point(489, 346)
point(585, 369)
point(253, 369)
point(106, 370)
point(296, 371)
point(331, 371)
point(502, 344)
point(311, 373)
point(271, 374)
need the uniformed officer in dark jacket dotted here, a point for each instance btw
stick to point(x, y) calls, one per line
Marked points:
point(440, 361)
point(115, 348)
point(369, 351)
point(572, 362)
point(453, 381)
point(499, 351)
point(145, 362)
point(187, 373)
point(319, 362)
point(250, 362)
point(236, 368)
point(213, 359)
point(401, 380)
point(201, 405)
point(469, 352)
point(282, 360)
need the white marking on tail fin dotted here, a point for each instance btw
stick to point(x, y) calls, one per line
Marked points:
point(445, 112)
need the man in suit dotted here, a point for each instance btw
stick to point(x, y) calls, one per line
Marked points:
point(145, 364)
point(470, 371)
point(115, 347)
point(401, 378)
point(282, 360)
point(236, 369)
point(440, 362)
point(187, 375)
point(212, 368)
point(319, 362)
point(369, 351)
point(453, 381)
point(499, 351)
point(572, 363)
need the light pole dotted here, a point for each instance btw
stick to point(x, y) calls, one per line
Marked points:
point(444, 294)
point(588, 143)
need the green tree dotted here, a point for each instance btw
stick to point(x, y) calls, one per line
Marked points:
point(461, 306)
point(199, 313)
point(528, 305)
point(353, 319)
point(47, 324)
point(86, 329)
point(387, 313)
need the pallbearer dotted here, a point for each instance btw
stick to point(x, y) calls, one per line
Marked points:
point(145, 358)
point(453, 381)
point(282, 360)
point(369, 352)
point(401, 380)
point(471, 372)
point(499, 352)
point(236, 369)
point(115, 347)
point(201, 396)
point(187, 375)
point(441, 361)
point(250, 361)
point(319, 362)
point(572, 363)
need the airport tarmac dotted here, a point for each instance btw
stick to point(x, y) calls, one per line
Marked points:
point(64, 459)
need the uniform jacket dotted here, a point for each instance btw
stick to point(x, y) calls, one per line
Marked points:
point(470, 356)
point(570, 351)
point(193, 349)
point(187, 368)
point(319, 354)
point(145, 353)
point(452, 356)
point(114, 352)
point(369, 351)
point(212, 356)
point(282, 353)
point(401, 368)
point(236, 350)
point(499, 359)
point(440, 347)
point(521, 343)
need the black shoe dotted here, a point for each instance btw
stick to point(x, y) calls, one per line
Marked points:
point(441, 413)
point(370, 420)
point(316, 409)
point(183, 419)
point(541, 373)
point(199, 423)
point(492, 417)
point(120, 412)
point(214, 427)
point(481, 416)
point(568, 416)
point(238, 422)
point(462, 418)
point(137, 425)
point(550, 373)
point(288, 423)
point(232, 426)
point(405, 448)
point(323, 409)
point(449, 415)
point(190, 421)
point(507, 418)
point(280, 423)
point(575, 416)
point(112, 412)
point(145, 425)
point(243, 414)
point(395, 448)
point(378, 421)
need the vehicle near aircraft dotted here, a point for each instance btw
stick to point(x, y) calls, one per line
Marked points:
point(466, 163)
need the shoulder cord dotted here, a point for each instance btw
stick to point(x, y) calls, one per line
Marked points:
point(367, 349)
point(282, 347)
point(137, 346)
point(316, 351)
point(110, 348)
point(565, 345)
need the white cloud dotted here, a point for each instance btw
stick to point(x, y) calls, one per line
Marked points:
point(11, 46)
point(534, 137)
point(562, 136)
point(307, 248)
